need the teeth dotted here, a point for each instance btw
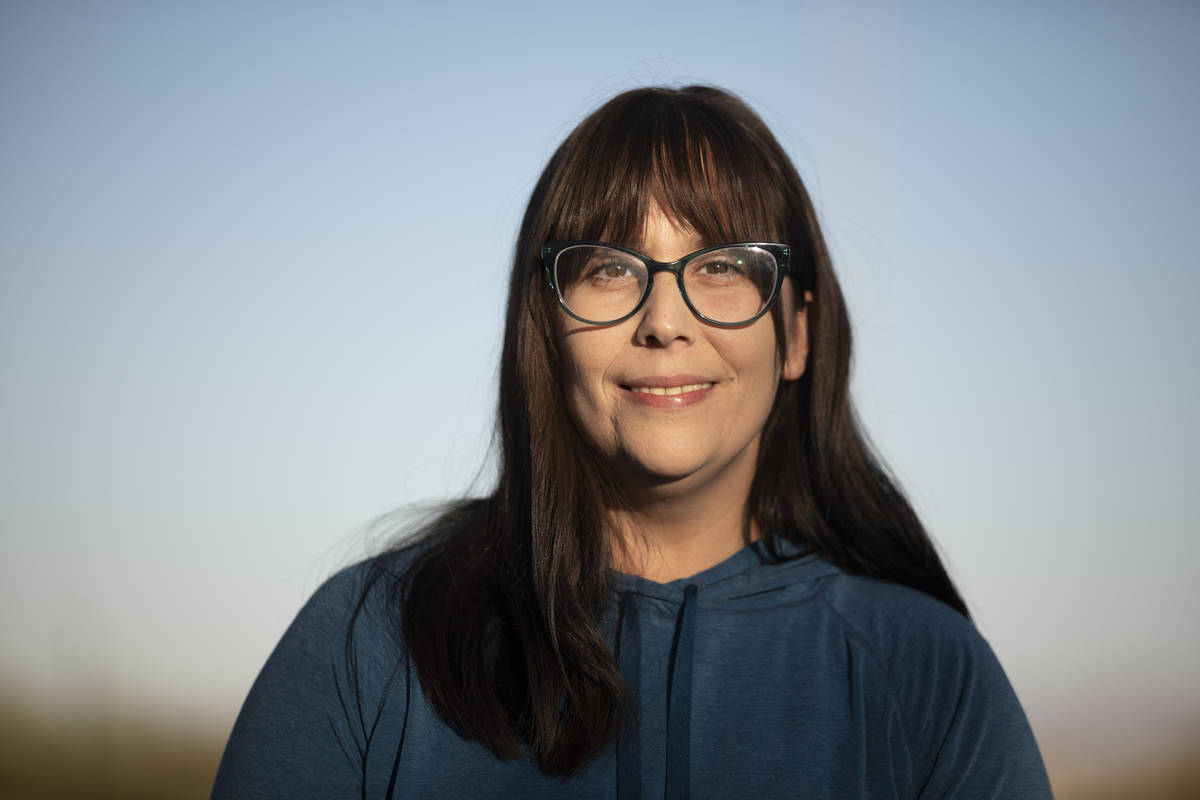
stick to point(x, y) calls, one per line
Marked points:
point(663, 391)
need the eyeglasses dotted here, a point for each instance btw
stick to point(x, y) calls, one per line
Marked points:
point(729, 285)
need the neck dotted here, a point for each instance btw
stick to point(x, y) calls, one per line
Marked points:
point(665, 537)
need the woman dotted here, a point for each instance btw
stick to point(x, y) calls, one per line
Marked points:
point(693, 576)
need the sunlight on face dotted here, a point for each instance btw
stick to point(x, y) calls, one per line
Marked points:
point(668, 400)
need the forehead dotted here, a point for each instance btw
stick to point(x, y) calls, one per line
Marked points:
point(665, 238)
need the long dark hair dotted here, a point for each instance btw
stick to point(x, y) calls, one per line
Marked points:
point(500, 606)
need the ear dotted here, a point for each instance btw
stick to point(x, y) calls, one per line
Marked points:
point(796, 330)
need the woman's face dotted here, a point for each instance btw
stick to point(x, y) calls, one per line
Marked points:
point(719, 383)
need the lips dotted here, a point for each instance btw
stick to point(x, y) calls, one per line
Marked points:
point(662, 391)
point(668, 391)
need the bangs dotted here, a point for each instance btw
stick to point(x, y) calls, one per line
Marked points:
point(706, 164)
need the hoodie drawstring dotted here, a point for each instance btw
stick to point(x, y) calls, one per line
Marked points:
point(629, 655)
point(679, 700)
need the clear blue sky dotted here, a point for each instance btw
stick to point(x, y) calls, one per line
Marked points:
point(228, 231)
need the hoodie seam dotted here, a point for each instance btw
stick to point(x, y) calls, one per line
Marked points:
point(893, 696)
point(776, 576)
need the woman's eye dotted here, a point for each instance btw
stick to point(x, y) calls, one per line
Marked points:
point(719, 268)
point(610, 271)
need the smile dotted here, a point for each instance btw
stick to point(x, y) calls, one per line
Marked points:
point(663, 391)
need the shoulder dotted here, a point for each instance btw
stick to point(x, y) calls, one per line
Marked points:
point(899, 622)
point(928, 652)
point(346, 635)
point(353, 622)
point(356, 599)
point(948, 686)
point(311, 716)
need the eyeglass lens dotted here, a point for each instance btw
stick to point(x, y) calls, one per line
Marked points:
point(603, 284)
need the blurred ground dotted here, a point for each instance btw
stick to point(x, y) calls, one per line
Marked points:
point(1171, 776)
point(102, 758)
point(139, 759)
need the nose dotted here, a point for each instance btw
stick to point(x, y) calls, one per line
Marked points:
point(665, 318)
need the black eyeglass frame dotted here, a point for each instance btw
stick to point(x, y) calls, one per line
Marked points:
point(781, 252)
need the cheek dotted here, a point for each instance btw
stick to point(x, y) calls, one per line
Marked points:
point(758, 371)
point(584, 367)
point(754, 358)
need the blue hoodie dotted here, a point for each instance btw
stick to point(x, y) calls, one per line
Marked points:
point(753, 679)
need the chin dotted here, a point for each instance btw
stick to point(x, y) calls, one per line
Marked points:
point(657, 471)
